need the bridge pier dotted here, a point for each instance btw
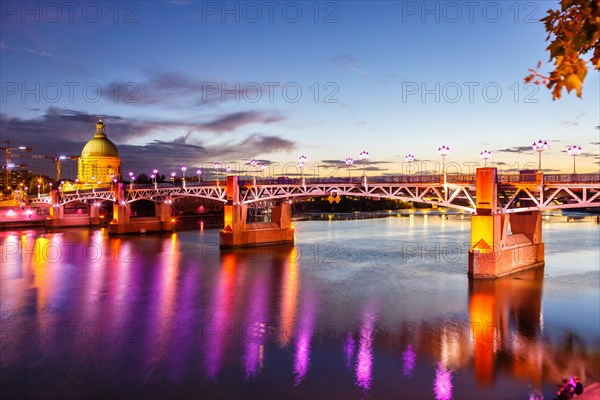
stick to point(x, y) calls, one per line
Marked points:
point(58, 219)
point(494, 251)
point(123, 223)
point(237, 233)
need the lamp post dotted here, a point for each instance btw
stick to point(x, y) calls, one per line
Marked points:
point(155, 178)
point(574, 151)
point(227, 169)
point(183, 169)
point(262, 169)
point(409, 158)
point(198, 175)
point(131, 181)
point(349, 163)
point(253, 163)
point(485, 154)
point(173, 177)
point(217, 165)
point(363, 156)
point(301, 160)
point(540, 146)
point(443, 151)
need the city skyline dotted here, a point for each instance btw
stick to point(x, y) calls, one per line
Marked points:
point(199, 82)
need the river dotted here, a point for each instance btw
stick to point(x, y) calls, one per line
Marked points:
point(365, 308)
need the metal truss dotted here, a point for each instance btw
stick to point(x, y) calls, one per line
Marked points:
point(172, 192)
point(452, 196)
point(515, 193)
point(521, 198)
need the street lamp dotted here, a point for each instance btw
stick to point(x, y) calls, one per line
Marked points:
point(154, 177)
point(485, 154)
point(183, 169)
point(227, 169)
point(409, 158)
point(253, 163)
point(540, 146)
point(217, 165)
point(349, 163)
point(198, 173)
point(262, 169)
point(363, 156)
point(173, 177)
point(130, 180)
point(443, 151)
point(301, 160)
point(574, 151)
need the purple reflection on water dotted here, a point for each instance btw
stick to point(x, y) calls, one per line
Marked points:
point(303, 338)
point(220, 309)
point(409, 361)
point(349, 349)
point(255, 330)
point(442, 386)
point(364, 361)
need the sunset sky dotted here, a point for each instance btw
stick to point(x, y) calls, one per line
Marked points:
point(191, 83)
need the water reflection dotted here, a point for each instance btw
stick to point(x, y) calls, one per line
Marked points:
point(506, 317)
point(442, 386)
point(194, 319)
point(409, 362)
point(364, 359)
point(304, 336)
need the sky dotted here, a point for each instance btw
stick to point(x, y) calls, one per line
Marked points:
point(190, 83)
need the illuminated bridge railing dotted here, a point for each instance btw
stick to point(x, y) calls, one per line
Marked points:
point(550, 178)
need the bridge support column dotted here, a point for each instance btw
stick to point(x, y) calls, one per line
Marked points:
point(494, 251)
point(237, 233)
point(123, 223)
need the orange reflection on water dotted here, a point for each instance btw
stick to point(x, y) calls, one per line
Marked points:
point(482, 319)
point(289, 298)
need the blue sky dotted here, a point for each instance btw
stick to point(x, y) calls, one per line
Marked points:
point(388, 77)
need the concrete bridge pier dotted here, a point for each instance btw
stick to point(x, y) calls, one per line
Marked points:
point(502, 244)
point(238, 233)
point(58, 218)
point(123, 223)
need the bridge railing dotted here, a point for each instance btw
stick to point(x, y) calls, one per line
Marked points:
point(550, 178)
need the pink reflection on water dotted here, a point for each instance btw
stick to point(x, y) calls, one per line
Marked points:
point(303, 338)
point(442, 386)
point(221, 309)
point(255, 330)
point(349, 349)
point(364, 361)
point(409, 361)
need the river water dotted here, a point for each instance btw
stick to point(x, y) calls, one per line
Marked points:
point(377, 308)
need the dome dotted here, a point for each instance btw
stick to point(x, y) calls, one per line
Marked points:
point(100, 145)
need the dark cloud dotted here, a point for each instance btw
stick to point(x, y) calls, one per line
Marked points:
point(65, 132)
point(517, 149)
point(78, 126)
point(232, 121)
point(179, 90)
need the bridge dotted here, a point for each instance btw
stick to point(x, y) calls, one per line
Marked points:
point(506, 209)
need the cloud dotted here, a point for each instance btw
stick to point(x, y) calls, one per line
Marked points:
point(348, 62)
point(65, 132)
point(35, 52)
point(517, 149)
point(575, 121)
point(179, 90)
point(230, 122)
point(78, 126)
